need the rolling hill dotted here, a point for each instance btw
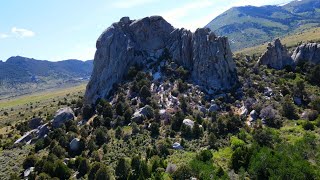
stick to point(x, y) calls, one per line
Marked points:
point(21, 75)
point(248, 26)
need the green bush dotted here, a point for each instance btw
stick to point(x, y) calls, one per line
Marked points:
point(205, 155)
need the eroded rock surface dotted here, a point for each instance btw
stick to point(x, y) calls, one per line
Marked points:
point(276, 56)
point(129, 42)
point(307, 53)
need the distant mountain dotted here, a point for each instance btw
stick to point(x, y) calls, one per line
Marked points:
point(249, 25)
point(21, 75)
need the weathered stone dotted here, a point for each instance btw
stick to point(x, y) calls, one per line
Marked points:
point(28, 171)
point(128, 42)
point(188, 122)
point(75, 144)
point(297, 101)
point(34, 123)
point(276, 56)
point(214, 108)
point(177, 145)
point(253, 115)
point(243, 111)
point(307, 53)
point(43, 130)
point(62, 115)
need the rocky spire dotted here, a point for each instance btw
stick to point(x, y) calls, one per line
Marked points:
point(130, 42)
point(276, 56)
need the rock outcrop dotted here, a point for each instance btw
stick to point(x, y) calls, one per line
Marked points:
point(62, 115)
point(129, 42)
point(276, 56)
point(307, 53)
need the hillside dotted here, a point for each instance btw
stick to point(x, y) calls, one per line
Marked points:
point(21, 75)
point(249, 25)
point(292, 40)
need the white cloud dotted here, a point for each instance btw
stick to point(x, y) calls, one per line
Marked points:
point(132, 3)
point(187, 15)
point(20, 32)
point(3, 36)
point(183, 16)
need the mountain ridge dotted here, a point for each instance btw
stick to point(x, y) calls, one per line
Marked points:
point(21, 75)
point(247, 26)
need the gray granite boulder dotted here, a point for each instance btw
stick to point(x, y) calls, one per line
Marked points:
point(75, 144)
point(62, 115)
point(276, 56)
point(307, 53)
point(35, 122)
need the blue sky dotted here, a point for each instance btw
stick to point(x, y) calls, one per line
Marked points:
point(67, 29)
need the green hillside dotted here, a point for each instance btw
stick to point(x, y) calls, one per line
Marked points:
point(249, 25)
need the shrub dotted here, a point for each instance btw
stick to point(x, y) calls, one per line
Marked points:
point(61, 170)
point(288, 108)
point(183, 172)
point(87, 111)
point(154, 128)
point(30, 161)
point(101, 136)
point(122, 169)
point(241, 158)
point(84, 167)
point(145, 92)
point(204, 155)
point(103, 173)
point(308, 126)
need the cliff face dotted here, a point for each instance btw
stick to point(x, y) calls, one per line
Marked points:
point(276, 56)
point(129, 42)
point(307, 53)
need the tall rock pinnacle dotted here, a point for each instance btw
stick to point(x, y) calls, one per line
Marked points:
point(129, 42)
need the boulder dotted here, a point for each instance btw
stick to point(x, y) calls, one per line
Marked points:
point(297, 101)
point(268, 92)
point(27, 137)
point(276, 56)
point(62, 115)
point(27, 172)
point(243, 111)
point(75, 144)
point(213, 108)
point(129, 42)
point(307, 53)
point(43, 130)
point(35, 122)
point(253, 115)
point(202, 109)
point(188, 122)
point(177, 146)
point(141, 114)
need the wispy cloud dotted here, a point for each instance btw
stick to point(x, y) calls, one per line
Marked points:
point(190, 14)
point(179, 16)
point(20, 32)
point(124, 4)
point(3, 36)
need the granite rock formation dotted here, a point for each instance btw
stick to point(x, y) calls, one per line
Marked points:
point(276, 56)
point(129, 42)
point(307, 53)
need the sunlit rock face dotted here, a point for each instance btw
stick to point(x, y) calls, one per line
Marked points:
point(129, 42)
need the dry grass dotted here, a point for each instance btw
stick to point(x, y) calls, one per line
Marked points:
point(25, 107)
